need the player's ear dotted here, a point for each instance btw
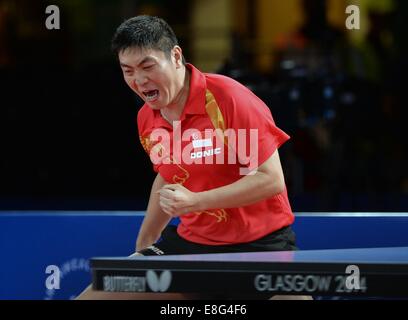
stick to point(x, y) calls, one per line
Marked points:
point(177, 54)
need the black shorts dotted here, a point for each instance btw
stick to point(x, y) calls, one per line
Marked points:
point(172, 244)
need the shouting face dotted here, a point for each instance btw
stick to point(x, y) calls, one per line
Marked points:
point(156, 77)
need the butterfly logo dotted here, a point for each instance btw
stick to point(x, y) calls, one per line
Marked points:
point(158, 283)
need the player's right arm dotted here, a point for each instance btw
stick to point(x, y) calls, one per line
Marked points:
point(155, 219)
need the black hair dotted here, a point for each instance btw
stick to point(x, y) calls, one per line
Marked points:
point(145, 32)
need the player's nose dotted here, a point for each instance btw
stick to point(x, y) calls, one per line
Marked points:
point(140, 80)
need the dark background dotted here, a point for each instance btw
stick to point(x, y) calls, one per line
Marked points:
point(68, 134)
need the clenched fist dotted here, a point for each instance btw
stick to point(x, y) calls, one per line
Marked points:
point(176, 200)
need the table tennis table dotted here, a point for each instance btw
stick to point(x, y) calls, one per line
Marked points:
point(375, 272)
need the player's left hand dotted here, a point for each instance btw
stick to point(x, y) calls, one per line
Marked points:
point(176, 200)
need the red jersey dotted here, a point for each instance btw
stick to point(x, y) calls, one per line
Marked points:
point(195, 153)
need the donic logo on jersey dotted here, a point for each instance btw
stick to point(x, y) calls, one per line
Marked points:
point(203, 154)
point(203, 143)
point(158, 283)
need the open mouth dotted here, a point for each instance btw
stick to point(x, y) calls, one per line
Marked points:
point(151, 95)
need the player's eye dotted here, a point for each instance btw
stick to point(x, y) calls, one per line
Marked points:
point(148, 67)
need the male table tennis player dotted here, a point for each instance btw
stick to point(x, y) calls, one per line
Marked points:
point(222, 179)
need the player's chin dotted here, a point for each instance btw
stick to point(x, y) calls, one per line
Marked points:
point(155, 105)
